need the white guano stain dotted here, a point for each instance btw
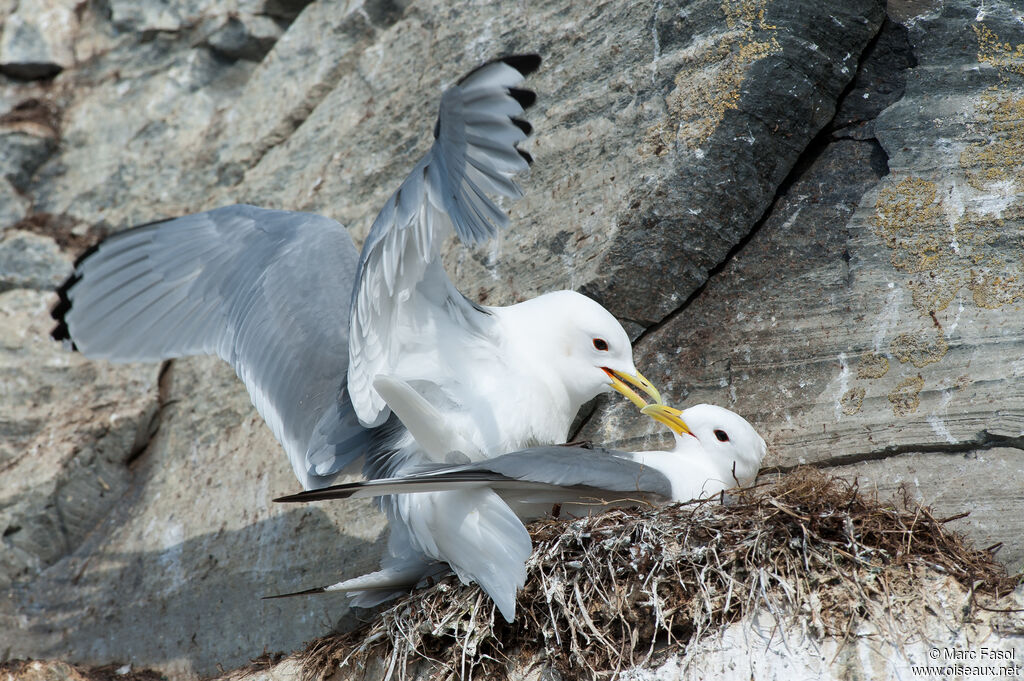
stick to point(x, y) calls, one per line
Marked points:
point(888, 318)
point(937, 424)
point(844, 384)
point(956, 320)
point(1002, 194)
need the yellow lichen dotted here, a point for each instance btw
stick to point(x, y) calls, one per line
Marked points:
point(912, 221)
point(1002, 55)
point(994, 291)
point(906, 397)
point(709, 84)
point(919, 349)
point(934, 291)
point(968, 233)
point(872, 366)
point(906, 216)
point(852, 401)
point(992, 165)
point(745, 13)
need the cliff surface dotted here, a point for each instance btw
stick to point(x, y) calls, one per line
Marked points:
point(808, 212)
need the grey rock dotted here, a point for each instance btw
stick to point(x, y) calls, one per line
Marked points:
point(13, 206)
point(983, 483)
point(321, 46)
point(21, 154)
point(680, 225)
point(50, 399)
point(31, 261)
point(37, 39)
point(196, 557)
point(115, 167)
point(142, 16)
point(244, 37)
point(279, 9)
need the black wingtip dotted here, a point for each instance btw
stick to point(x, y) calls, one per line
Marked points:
point(317, 590)
point(289, 498)
point(526, 156)
point(343, 491)
point(59, 312)
point(526, 98)
point(523, 63)
point(523, 125)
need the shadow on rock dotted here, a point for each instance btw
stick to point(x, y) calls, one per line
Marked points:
point(196, 604)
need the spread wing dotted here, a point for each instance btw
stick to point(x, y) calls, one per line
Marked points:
point(400, 277)
point(573, 470)
point(266, 290)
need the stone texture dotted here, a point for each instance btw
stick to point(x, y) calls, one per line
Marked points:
point(984, 483)
point(115, 142)
point(892, 644)
point(801, 210)
point(192, 545)
point(22, 154)
point(37, 39)
point(144, 16)
point(279, 9)
point(68, 426)
point(13, 206)
point(31, 261)
point(244, 37)
point(303, 68)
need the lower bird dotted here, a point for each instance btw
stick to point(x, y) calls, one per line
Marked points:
point(715, 450)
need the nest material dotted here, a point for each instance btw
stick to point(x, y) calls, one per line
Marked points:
point(615, 590)
point(53, 670)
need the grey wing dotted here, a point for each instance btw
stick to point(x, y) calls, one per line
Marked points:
point(578, 467)
point(474, 154)
point(266, 290)
point(572, 469)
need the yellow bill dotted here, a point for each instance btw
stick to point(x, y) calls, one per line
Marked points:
point(671, 417)
point(621, 382)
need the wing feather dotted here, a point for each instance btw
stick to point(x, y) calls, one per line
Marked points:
point(265, 290)
point(474, 152)
point(574, 470)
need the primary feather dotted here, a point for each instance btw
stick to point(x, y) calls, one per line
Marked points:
point(265, 290)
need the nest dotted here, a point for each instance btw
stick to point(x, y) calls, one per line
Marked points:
point(617, 590)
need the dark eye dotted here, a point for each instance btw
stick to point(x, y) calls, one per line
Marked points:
point(601, 344)
point(722, 435)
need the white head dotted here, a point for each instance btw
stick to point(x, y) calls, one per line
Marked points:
point(578, 343)
point(727, 437)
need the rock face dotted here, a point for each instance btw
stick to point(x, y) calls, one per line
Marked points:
point(808, 212)
point(38, 39)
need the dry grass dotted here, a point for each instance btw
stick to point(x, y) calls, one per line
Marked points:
point(613, 591)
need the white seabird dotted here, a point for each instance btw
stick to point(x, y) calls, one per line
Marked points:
point(715, 450)
point(308, 325)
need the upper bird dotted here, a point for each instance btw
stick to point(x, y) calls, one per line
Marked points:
point(715, 450)
point(309, 326)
